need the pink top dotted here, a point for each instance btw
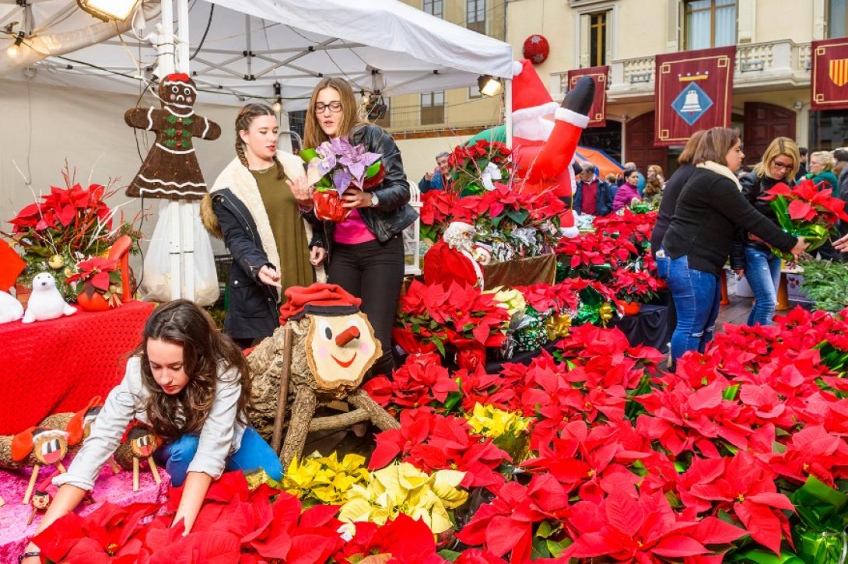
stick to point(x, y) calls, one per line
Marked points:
point(353, 230)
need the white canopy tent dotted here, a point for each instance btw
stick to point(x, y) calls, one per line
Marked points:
point(240, 48)
point(243, 49)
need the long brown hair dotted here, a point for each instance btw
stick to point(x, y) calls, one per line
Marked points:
point(313, 135)
point(689, 149)
point(243, 121)
point(206, 353)
point(715, 144)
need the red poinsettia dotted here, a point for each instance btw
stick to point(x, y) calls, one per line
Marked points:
point(643, 528)
point(402, 540)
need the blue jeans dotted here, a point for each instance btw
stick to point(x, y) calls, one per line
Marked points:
point(762, 270)
point(253, 453)
point(696, 299)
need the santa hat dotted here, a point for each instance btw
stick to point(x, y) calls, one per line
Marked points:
point(530, 99)
point(76, 425)
point(23, 442)
point(319, 298)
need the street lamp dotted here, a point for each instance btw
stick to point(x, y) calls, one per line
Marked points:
point(489, 85)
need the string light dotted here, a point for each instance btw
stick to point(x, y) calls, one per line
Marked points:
point(278, 102)
point(15, 48)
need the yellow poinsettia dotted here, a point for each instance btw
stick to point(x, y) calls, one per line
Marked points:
point(507, 429)
point(402, 488)
point(325, 479)
point(510, 299)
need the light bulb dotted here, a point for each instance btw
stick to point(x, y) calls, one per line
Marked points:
point(278, 105)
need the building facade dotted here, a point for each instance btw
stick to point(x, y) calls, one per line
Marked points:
point(771, 81)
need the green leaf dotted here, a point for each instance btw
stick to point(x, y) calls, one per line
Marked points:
point(308, 154)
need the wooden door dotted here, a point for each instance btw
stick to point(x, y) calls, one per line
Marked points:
point(764, 122)
point(639, 143)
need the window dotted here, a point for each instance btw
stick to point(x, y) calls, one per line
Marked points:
point(434, 8)
point(597, 39)
point(709, 23)
point(474, 92)
point(433, 108)
point(475, 15)
point(837, 18)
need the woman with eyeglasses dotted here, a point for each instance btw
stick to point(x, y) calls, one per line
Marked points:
point(253, 207)
point(363, 253)
point(780, 163)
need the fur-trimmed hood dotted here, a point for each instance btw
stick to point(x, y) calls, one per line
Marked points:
point(238, 179)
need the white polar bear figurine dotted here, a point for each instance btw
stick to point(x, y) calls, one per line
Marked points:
point(10, 308)
point(46, 302)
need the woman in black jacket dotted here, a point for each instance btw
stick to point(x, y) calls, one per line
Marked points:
point(762, 267)
point(363, 253)
point(698, 240)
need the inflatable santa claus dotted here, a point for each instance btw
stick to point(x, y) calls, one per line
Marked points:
point(545, 134)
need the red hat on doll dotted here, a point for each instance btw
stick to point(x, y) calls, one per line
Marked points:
point(319, 298)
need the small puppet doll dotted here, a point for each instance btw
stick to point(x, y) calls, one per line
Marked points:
point(47, 446)
point(171, 170)
point(139, 442)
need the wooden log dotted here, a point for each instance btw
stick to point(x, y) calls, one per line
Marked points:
point(282, 397)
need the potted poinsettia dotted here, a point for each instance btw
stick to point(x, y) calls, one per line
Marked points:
point(633, 288)
point(805, 211)
point(336, 165)
point(97, 284)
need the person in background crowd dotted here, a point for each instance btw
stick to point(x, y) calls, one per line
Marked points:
point(656, 171)
point(672, 190)
point(253, 207)
point(802, 170)
point(440, 178)
point(593, 196)
point(840, 190)
point(640, 184)
point(697, 242)
point(364, 253)
point(191, 385)
point(652, 194)
point(779, 163)
point(628, 191)
point(821, 171)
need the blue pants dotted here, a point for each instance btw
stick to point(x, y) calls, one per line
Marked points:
point(254, 453)
point(762, 270)
point(696, 299)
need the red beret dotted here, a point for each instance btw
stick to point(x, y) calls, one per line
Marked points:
point(321, 298)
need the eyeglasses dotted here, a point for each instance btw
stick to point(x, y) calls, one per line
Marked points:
point(780, 165)
point(334, 107)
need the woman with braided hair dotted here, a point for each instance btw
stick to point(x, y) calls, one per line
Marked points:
point(253, 207)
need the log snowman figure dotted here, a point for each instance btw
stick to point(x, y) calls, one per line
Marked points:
point(320, 355)
point(139, 443)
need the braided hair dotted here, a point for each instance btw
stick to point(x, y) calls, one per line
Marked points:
point(243, 121)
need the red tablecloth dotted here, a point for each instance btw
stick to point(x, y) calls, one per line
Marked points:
point(57, 366)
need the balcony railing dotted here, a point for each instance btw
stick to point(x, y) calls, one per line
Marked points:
point(777, 63)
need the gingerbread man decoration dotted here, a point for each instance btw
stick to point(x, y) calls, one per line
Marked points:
point(171, 170)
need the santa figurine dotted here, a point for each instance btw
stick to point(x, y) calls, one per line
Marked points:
point(456, 258)
point(545, 134)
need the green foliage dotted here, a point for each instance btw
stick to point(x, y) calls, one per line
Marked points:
point(826, 283)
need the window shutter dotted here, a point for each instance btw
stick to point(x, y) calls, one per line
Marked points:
point(609, 23)
point(672, 43)
point(819, 20)
point(585, 40)
point(746, 21)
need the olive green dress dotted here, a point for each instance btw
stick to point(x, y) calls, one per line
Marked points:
point(287, 227)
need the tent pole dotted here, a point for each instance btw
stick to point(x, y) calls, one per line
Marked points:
point(508, 111)
point(188, 211)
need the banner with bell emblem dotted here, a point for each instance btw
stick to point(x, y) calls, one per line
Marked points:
point(693, 91)
point(829, 75)
point(598, 112)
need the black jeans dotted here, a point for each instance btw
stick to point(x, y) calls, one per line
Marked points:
point(372, 271)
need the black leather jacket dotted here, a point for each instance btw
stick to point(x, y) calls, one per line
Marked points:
point(393, 214)
point(753, 188)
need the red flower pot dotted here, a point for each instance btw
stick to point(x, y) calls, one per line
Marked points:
point(632, 308)
point(95, 302)
point(328, 206)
